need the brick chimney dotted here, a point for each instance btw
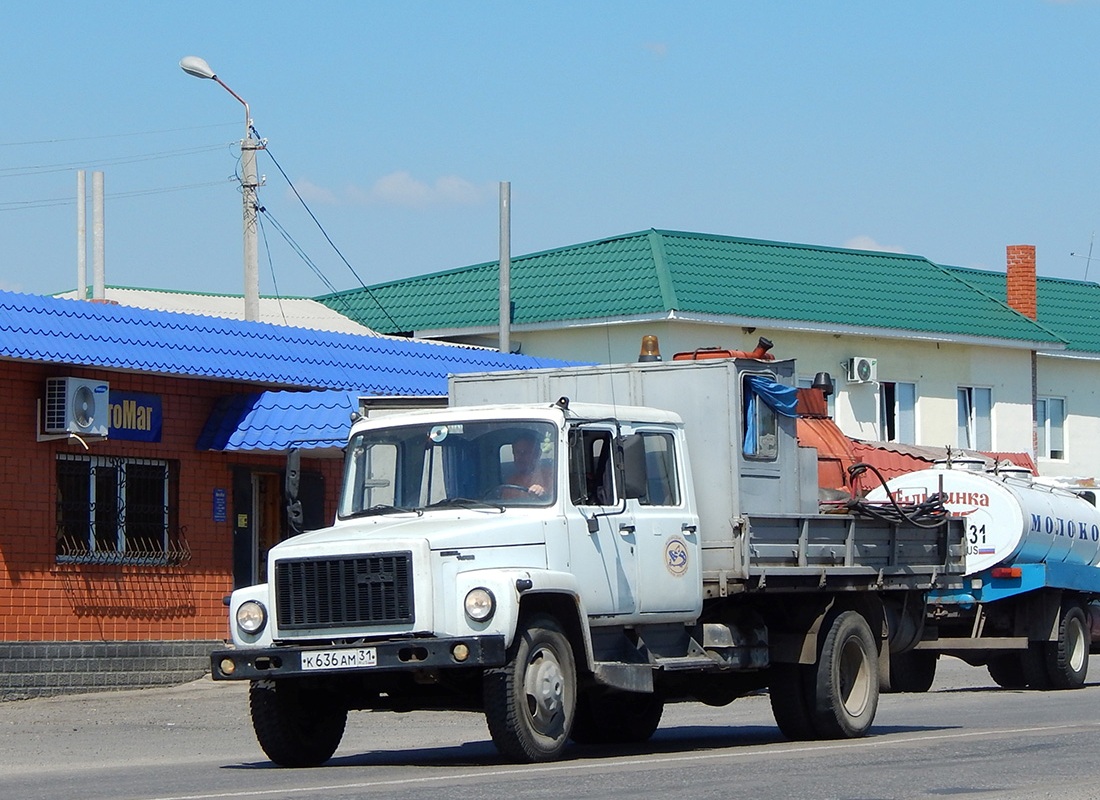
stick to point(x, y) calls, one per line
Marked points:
point(1021, 279)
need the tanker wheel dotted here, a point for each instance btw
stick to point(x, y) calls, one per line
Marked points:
point(790, 693)
point(1068, 657)
point(530, 702)
point(913, 671)
point(296, 726)
point(610, 717)
point(846, 687)
point(1007, 671)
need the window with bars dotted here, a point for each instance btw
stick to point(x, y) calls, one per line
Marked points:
point(114, 510)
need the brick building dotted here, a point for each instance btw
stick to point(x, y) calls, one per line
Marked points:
point(116, 550)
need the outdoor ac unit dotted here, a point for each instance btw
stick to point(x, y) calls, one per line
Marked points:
point(862, 369)
point(76, 405)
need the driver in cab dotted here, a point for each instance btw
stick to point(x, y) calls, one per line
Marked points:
point(528, 476)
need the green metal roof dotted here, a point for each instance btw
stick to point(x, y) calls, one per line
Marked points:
point(655, 272)
point(1070, 309)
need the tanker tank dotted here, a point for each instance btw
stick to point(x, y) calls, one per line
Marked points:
point(1009, 518)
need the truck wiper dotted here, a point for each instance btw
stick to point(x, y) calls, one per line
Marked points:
point(466, 502)
point(382, 508)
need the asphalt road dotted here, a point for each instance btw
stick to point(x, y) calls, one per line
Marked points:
point(965, 738)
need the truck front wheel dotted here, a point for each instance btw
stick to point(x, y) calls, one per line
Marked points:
point(530, 701)
point(296, 726)
point(846, 689)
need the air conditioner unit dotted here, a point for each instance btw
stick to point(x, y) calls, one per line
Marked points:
point(862, 369)
point(76, 405)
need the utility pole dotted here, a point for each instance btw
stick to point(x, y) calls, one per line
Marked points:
point(193, 65)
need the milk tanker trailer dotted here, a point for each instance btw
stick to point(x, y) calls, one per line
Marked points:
point(1026, 607)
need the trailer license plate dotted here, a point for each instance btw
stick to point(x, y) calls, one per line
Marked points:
point(340, 659)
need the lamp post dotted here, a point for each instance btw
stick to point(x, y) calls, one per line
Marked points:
point(193, 65)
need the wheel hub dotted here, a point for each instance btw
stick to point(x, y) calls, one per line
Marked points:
point(544, 687)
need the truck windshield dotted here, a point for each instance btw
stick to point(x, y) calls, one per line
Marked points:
point(413, 468)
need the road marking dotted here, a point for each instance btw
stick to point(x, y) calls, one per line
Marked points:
point(602, 764)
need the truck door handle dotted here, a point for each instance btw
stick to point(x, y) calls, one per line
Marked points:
point(626, 529)
point(687, 527)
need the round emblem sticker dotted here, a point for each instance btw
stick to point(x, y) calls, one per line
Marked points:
point(676, 556)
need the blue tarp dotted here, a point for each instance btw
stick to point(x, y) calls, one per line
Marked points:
point(781, 399)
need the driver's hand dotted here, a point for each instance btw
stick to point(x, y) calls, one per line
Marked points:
point(538, 489)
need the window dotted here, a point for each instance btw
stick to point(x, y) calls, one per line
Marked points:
point(761, 423)
point(662, 486)
point(975, 430)
point(117, 511)
point(591, 469)
point(897, 412)
point(457, 464)
point(1050, 418)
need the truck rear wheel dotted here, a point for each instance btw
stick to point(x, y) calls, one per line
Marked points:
point(609, 717)
point(295, 726)
point(530, 702)
point(846, 687)
point(790, 693)
point(1068, 658)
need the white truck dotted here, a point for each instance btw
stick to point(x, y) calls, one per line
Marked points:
point(567, 550)
point(1027, 607)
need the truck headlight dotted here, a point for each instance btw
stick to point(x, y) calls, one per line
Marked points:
point(480, 604)
point(251, 616)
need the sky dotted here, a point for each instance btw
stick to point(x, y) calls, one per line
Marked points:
point(939, 128)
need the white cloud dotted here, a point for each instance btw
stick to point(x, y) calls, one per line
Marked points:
point(311, 192)
point(864, 242)
point(402, 189)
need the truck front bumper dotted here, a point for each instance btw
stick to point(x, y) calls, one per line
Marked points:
point(397, 655)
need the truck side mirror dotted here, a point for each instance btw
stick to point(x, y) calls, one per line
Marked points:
point(635, 482)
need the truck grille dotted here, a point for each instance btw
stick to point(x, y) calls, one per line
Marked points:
point(343, 592)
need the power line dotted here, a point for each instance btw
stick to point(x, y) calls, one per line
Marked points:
point(19, 205)
point(328, 239)
point(41, 169)
point(115, 135)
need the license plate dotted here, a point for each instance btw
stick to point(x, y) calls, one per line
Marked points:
point(353, 658)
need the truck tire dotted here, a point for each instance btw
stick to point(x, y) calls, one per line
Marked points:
point(530, 702)
point(609, 717)
point(846, 687)
point(1007, 671)
point(295, 726)
point(913, 671)
point(1068, 657)
point(789, 690)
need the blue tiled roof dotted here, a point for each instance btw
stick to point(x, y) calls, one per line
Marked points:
point(78, 332)
point(279, 420)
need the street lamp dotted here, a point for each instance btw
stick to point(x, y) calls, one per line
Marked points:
point(193, 65)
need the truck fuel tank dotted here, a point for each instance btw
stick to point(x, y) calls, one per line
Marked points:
point(1009, 518)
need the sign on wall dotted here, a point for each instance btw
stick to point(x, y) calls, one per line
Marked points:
point(134, 417)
